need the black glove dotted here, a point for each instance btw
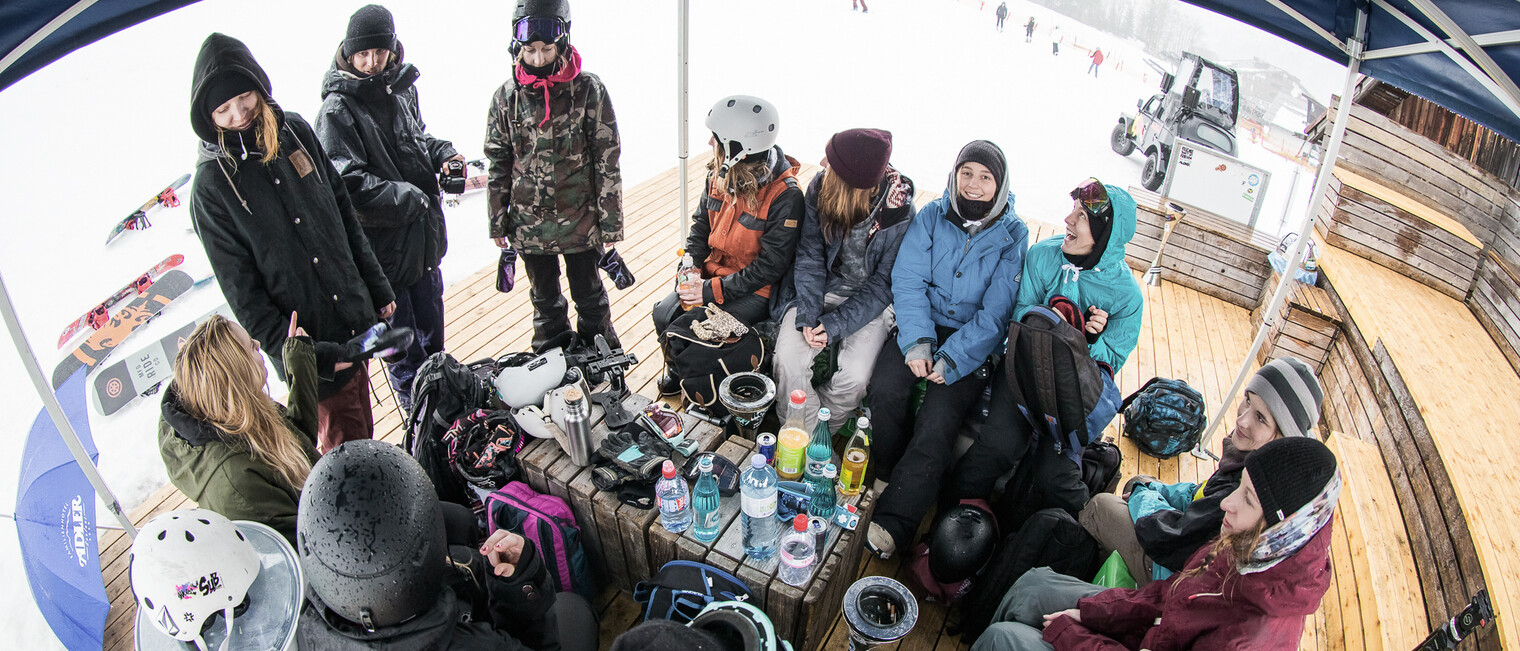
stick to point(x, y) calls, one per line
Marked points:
point(380, 340)
point(635, 457)
point(616, 269)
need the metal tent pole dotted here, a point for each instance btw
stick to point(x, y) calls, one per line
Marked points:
point(683, 20)
point(55, 411)
point(1305, 230)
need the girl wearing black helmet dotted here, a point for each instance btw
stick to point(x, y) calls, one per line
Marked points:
point(555, 188)
point(1249, 590)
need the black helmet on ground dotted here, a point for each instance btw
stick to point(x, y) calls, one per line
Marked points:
point(370, 535)
point(962, 542)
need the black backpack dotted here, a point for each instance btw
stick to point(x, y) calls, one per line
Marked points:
point(1050, 538)
point(702, 365)
point(1052, 378)
point(1165, 417)
point(444, 391)
point(681, 589)
point(1021, 498)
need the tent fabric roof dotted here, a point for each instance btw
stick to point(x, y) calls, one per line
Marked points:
point(1432, 74)
point(20, 19)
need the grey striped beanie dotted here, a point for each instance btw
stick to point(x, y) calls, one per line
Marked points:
point(1291, 393)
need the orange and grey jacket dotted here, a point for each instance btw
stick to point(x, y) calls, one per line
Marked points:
point(745, 247)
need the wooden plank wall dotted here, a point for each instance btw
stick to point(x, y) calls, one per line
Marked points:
point(1365, 397)
point(1495, 300)
point(1461, 136)
point(1206, 253)
point(1362, 220)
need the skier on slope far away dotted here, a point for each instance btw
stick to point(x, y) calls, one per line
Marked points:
point(1029, 30)
point(1055, 40)
point(1097, 60)
point(1002, 14)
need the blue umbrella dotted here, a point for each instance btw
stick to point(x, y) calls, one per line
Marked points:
point(55, 520)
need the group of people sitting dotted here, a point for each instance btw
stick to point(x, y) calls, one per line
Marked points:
point(317, 233)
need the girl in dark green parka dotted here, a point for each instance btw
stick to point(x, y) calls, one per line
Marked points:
point(226, 443)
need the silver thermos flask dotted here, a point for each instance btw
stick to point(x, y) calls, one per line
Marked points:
point(577, 427)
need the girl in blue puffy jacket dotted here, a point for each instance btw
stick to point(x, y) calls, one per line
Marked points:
point(954, 288)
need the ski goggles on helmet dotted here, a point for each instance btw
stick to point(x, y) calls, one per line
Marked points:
point(548, 30)
point(1093, 196)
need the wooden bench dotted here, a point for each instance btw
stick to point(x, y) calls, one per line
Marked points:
point(1385, 226)
point(1306, 324)
point(1495, 300)
point(1206, 253)
point(1436, 396)
point(1374, 601)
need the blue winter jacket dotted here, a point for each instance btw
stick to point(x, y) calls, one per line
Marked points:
point(944, 277)
point(1110, 286)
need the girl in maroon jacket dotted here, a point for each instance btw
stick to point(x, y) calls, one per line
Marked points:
point(1250, 589)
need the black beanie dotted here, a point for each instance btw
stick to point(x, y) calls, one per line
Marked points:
point(1288, 473)
point(225, 86)
point(370, 27)
point(986, 153)
point(666, 635)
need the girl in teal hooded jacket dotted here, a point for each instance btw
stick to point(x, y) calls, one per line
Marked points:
point(1086, 266)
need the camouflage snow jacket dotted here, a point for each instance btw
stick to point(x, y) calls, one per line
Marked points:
point(555, 186)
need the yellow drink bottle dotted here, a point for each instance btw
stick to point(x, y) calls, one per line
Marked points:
point(792, 440)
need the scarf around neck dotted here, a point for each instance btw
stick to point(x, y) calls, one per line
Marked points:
point(1285, 538)
point(569, 71)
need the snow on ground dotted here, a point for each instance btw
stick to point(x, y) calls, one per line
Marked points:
point(94, 135)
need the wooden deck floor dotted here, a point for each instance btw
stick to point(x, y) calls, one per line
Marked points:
point(1185, 335)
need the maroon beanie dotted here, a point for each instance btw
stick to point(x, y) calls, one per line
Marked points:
point(859, 156)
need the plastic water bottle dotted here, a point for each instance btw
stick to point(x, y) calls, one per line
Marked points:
point(798, 551)
point(675, 499)
point(821, 496)
point(757, 509)
point(705, 500)
point(820, 449)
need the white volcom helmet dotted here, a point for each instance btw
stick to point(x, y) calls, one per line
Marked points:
point(527, 378)
point(186, 566)
point(743, 125)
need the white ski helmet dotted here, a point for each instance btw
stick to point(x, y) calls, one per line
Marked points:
point(743, 125)
point(186, 566)
point(526, 380)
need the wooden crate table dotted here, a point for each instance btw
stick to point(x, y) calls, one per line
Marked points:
point(801, 614)
point(613, 533)
point(665, 546)
point(1306, 326)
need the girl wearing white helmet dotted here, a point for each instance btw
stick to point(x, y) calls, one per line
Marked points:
point(555, 188)
point(226, 443)
point(744, 232)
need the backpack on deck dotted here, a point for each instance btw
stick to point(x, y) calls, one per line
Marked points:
point(548, 522)
point(444, 391)
point(483, 447)
point(1166, 417)
point(1021, 498)
point(702, 364)
point(1050, 538)
point(681, 589)
point(1054, 381)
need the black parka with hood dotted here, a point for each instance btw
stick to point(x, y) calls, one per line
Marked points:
point(281, 237)
point(372, 128)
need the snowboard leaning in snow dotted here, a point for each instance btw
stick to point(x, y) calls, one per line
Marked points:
point(100, 313)
point(138, 220)
point(131, 317)
point(142, 372)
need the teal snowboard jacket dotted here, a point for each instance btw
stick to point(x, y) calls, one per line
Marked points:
point(1110, 286)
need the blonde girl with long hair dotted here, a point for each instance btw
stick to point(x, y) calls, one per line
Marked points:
point(1248, 590)
point(840, 289)
point(226, 443)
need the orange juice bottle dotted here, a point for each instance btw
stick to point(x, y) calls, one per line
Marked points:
point(686, 274)
point(792, 440)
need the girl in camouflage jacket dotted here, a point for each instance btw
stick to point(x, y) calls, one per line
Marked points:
point(554, 185)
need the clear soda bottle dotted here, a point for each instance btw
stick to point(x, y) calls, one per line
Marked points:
point(686, 274)
point(792, 439)
point(820, 449)
point(857, 453)
point(757, 509)
point(675, 499)
point(798, 552)
point(705, 500)
point(821, 496)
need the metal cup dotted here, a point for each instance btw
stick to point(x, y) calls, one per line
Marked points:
point(878, 610)
point(747, 396)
